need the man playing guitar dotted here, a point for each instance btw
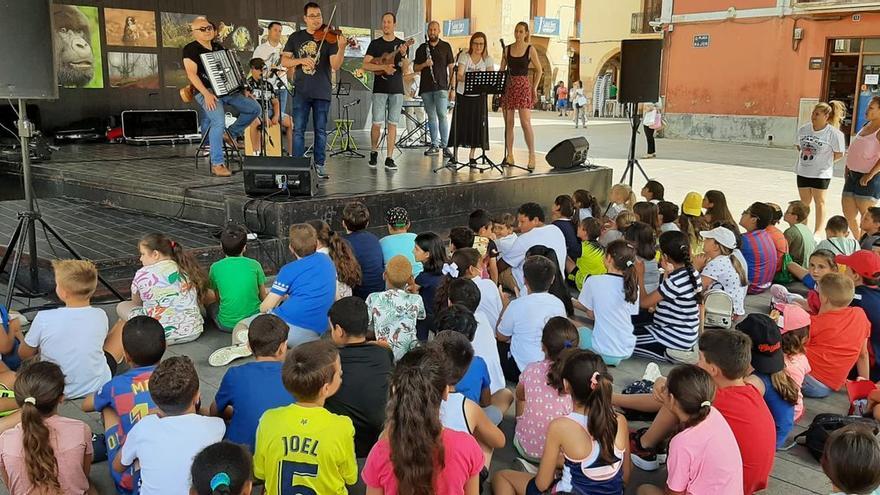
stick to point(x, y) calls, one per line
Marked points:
point(383, 58)
point(313, 87)
point(214, 107)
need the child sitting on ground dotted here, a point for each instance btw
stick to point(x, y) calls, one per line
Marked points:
point(405, 458)
point(777, 235)
point(10, 324)
point(558, 287)
point(613, 230)
point(167, 288)
point(591, 441)
point(801, 243)
point(348, 270)
point(653, 191)
point(768, 362)
point(863, 268)
point(726, 356)
point(757, 247)
point(165, 444)
point(125, 399)
point(870, 226)
point(620, 198)
point(460, 237)
point(703, 456)
point(291, 435)
point(610, 300)
point(366, 247)
point(720, 269)
point(399, 239)
point(851, 460)
point(481, 225)
point(249, 390)
point(465, 264)
point(458, 411)
point(239, 281)
point(73, 336)
point(837, 239)
point(691, 220)
point(839, 337)
point(394, 312)
point(503, 228)
point(821, 262)
point(715, 204)
point(668, 212)
point(643, 239)
point(794, 323)
point(430, 251)
point(561, 214)
point(676, 303)
point(223, 468)
point(648, 213)
point(592, 260)
point(366, 367)
point(586, 204)
point(540, 393)
point(522, 322)
point(45, 453)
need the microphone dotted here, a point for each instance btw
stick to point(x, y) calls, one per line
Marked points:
point(355, 102)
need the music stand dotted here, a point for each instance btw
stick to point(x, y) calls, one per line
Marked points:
point(485, 83)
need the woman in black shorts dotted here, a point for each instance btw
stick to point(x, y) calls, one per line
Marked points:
point(820, 143)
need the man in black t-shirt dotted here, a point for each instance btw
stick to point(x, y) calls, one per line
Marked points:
point(383, 58)
point(312, 82)
point(214, 107)
point(436, 74)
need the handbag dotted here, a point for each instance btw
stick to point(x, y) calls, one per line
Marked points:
point(658, 121)
point(719, 309)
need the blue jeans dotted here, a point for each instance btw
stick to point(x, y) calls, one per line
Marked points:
point(436, 103)
point(248, 110)
point(302, 105)
point(283, 96)
point(814, 388)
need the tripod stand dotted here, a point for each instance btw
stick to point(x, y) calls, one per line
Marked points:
point(349, 147)
point(631, 161)
point(25, 233)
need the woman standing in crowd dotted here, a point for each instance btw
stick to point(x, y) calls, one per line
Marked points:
point(820, 143)
point(579, 103)
point(652, 113)
point(861, 190)
point(469, 126)
point(520, 94)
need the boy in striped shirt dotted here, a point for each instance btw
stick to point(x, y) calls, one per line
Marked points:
point(758, 247)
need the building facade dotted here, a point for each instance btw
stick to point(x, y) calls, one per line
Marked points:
point(752, 70)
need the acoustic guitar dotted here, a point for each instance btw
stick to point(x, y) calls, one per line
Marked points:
point(187, 93)
point(389, 58)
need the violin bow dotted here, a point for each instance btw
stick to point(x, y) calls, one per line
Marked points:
point(321, 44)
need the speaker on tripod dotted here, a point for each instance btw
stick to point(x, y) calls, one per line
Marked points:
point(639, 83)
point(569, 153)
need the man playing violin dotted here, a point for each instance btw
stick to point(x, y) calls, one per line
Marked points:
point(312, 80)
point(383, 58)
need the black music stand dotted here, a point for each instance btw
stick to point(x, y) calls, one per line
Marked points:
point(485, 83)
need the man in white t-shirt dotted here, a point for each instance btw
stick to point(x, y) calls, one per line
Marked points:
point(522, 323)
point(270, 52)
point(533, 232)
point(165, 444)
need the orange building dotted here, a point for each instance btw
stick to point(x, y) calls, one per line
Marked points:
point(751, 70)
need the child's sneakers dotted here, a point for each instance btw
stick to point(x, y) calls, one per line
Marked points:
point(226, 355)
point(652, 372)
point(780, 295)
point(644, 459)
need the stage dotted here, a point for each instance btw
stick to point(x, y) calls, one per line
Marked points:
point(161, 184)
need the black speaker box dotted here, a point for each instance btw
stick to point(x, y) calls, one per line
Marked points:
point(279, 176)
point(569, 153)
point(640, 71)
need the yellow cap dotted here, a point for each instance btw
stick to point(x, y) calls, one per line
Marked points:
point(693, 204)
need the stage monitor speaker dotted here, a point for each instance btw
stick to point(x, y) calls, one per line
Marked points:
point(569, 153)
point(639, 71)
point(27, 67)
point(279, 176)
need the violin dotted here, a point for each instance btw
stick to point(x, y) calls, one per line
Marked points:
point(330, 34)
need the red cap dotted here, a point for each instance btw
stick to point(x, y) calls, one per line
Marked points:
point(864, 262)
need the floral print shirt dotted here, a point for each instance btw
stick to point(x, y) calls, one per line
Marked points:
point(393, 316)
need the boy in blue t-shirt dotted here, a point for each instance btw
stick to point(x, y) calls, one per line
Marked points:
point(249, 390)
point(399, 239)
point(366, 247)
point(125, 399)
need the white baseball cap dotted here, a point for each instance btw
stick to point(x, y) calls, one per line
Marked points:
point(720, 235)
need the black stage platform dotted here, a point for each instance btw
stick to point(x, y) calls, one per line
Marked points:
point(162, 183)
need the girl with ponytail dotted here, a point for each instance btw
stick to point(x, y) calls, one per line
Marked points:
point(703, 456)
point(348, 270)
point(46, 453)
point(416, 455)
point(611, 300)
point(223, 468)
point(592, 440)
point(168, 288)
point(676, 303)
point(431, 253)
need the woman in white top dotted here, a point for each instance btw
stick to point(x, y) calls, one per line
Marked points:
point(650, 117)
point(820, 143)
point(470, 125)
point(579, 102)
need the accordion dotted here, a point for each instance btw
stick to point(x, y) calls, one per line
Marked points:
point(224, 72)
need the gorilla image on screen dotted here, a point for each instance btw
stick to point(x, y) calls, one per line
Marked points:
point(73, 48)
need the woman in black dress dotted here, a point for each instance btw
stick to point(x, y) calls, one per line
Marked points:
point(469, 119)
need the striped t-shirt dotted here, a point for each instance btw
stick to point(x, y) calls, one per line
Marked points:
point(760, 253)
point(677, 317)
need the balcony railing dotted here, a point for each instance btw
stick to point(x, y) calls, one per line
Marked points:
point(639, 23)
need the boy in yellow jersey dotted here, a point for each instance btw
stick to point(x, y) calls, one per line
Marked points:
point(303, 448)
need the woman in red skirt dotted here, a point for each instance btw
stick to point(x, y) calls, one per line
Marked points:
point(520, 93)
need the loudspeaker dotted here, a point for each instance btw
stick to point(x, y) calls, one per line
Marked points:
point(279, 175)
point(27, 67)
point(569, 153)
point(639, 71)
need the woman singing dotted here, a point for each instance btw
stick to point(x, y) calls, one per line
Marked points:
point(469, 126)
point(520, 93)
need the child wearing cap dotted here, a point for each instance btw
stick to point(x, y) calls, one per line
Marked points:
point(720, 269)
point(691, 220)
point(768, 362)
point(838, 338)
point(863, 267)
point(794, 323)
point(801, 243)
point(399, 239)
point(394, 312)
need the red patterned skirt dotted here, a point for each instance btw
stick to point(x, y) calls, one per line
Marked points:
point(518, 94)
